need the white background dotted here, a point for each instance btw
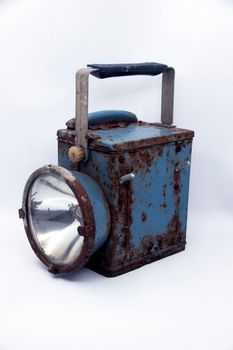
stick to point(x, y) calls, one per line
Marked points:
point(181, 302)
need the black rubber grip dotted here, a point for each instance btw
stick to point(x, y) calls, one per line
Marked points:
point(124, 69)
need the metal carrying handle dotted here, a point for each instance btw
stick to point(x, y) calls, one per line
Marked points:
point(103, 71)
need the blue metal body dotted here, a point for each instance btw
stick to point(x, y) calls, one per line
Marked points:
point(149, 213)
point(99, 206)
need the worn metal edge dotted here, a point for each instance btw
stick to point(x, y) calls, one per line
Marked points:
point(187, 135)
point(88, 219)
point(137, 262)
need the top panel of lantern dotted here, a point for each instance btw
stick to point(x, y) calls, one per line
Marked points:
point(122, 131)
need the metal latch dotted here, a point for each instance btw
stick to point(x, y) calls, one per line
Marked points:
point(182, 165)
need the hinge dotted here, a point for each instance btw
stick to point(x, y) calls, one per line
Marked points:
point(21, 213)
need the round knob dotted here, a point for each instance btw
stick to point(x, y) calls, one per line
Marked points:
point(76, 154)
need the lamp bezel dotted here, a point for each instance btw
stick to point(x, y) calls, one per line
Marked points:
point(87, 230)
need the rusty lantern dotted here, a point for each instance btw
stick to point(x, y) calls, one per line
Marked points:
point(118, 198)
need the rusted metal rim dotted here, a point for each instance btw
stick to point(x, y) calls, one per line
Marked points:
point(88, 230)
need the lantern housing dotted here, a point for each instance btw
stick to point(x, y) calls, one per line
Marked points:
point(118, 198)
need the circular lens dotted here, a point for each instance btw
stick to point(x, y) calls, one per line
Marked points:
point(54, 216)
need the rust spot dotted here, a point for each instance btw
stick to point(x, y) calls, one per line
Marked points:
point(180, 145)
point(173, 237)
point(177, 188)
point(163, 205)
point(121, 158)
point(178, 148)
point(143, 216)
point(146, 156)
point(93, 137)
point(164, 192)
point(160, 150)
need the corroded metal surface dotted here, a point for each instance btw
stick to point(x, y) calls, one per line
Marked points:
point(148, 213)
point(142, 170)
point(87, 214)
point(119, 138)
